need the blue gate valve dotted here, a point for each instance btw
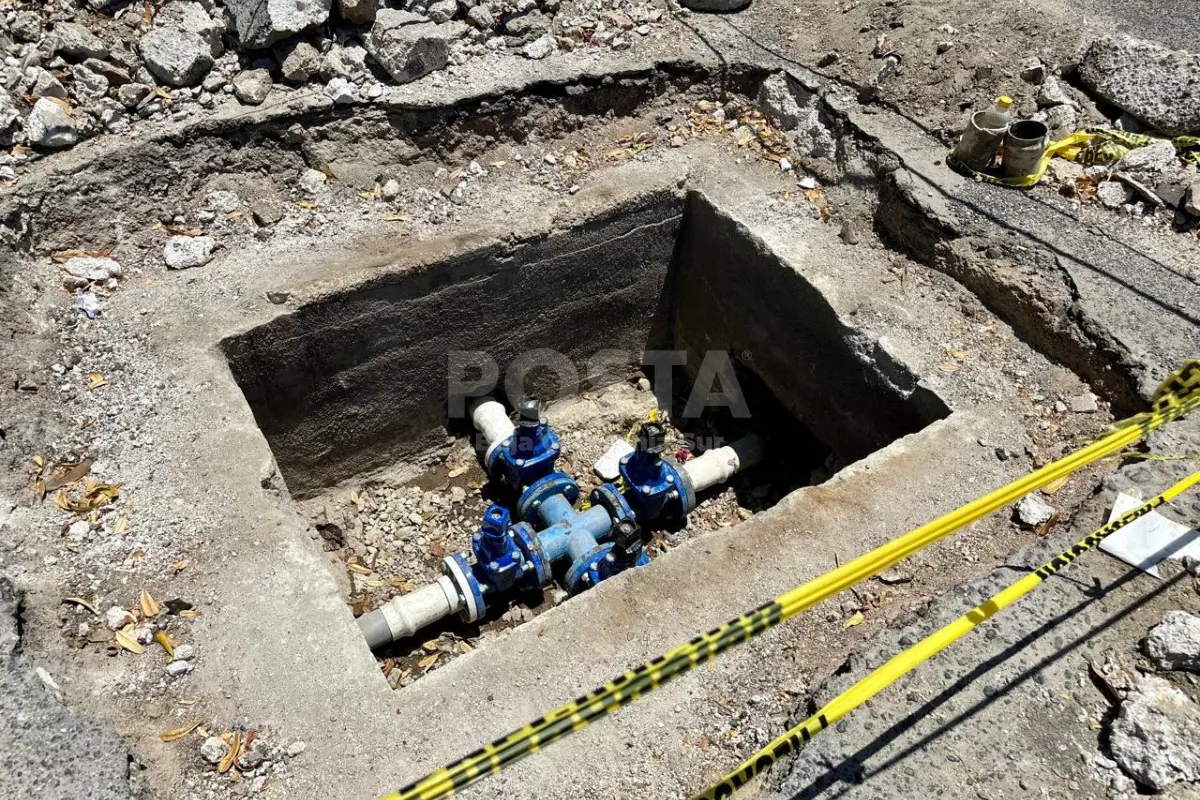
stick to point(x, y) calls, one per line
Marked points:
point(654, 487)
point(529, 454)
point(499, 562)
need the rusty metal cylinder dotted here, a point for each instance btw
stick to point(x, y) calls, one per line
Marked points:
point(980, 141)
point(1024, 146)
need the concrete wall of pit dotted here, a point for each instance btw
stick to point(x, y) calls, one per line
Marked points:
point(359, 381)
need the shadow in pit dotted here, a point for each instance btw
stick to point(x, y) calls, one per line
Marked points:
point(853, 769)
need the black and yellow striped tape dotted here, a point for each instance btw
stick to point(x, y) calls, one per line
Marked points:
point(905, 662)
point(577, 714)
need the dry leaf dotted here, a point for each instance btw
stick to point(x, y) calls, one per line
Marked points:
point(437, 549)
point(328, 172)
point(396, 218)
point(189, 613)
point(150, 607)
point(356, 498)
point(180, 566)
point(70, 474)
point(958, 353)
point(428, 661)
point(360, 569)
point(454, 473)
point(431, 646)
point(231, 753)
point(95, 380)
point(120, 526)
point(79, 601)
point(857, 619)
point(129, 643)
point(1055, 485)
point(162, 638)
point(948, 367)
point(40, 463)
point(178, 733)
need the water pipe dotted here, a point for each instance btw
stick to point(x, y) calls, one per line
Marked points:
point(595, 542)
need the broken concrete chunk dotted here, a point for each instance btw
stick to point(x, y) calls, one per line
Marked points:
point(76, 42)
point(27, 26)
point(40, 83)
point(191, 17)
point(312, 181)
point(1083, 404)
point(1113, 194)
point(252, 86)
point(9, 116)
point(1052, 94)
point(175, 56)
point(1192, 205)
point(408, 46)
point(10, 604)
point(361, 12)
point(1033, 70)
point(1153, 83)
point(1061, 120)
point(262, 23)
point(50, 126)
point(88, 85)
point(1154, 736)
point(89, 268)
point(213, 749)
point(116, 618)
point(1174, 643)
point(797, 110)
point(132, 94)
point(185, 252)
point(115, 75)
point(1032, 511)
point(443, 10)
point(301, 64)
point(1154, 157)
point(539, 48)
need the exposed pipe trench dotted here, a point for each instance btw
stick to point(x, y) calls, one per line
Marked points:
point(596, 539)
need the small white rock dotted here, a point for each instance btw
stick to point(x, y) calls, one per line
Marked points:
point(294, 749)
point(117, 618)
point(391, 189)
point(178, 669)
point(539, 48)
point(184, 652)
point(185, 252)
point(312, 181)
point(213, 750)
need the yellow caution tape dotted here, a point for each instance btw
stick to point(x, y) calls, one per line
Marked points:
point(1087, 146)
point(922, 651)
point(622, 691)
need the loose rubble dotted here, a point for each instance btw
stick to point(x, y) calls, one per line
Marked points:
point(1174, 644)
point(1153, 737)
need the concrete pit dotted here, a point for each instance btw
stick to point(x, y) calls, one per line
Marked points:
point(353, 391)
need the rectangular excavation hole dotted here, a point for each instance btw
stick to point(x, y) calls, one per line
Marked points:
point(351, 391)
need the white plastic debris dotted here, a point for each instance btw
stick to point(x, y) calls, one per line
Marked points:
point(1153, 537)
point(608, 466)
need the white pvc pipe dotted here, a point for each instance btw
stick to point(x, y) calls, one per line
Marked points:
point(491, 419)
point(403, 616)
point(718, 466)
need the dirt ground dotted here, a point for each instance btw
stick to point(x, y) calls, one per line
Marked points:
point(190, 624)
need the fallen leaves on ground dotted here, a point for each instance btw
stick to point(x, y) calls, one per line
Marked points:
point(164, 640)
point(857, 619)
point(95, 380)
point(231, 754)
point(178, 733)
point(150, 607)
point(79, 601)
point(125, 639)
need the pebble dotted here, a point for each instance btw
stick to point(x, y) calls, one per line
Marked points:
point(1083, 404)
point(117, 618)
point(294, 749)
point(178, 669)
point(186, 252)
point(184, 652)
point(214, 749)
point(1032, 511)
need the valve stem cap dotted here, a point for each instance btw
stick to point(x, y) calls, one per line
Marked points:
point(652, 438)
point(529, 410)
